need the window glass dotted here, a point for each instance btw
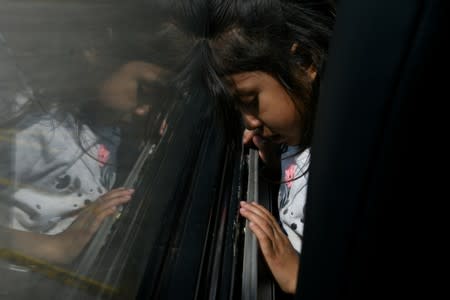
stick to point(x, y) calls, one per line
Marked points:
point(89, 118)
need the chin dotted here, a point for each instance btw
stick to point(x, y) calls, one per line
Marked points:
point(292, 142)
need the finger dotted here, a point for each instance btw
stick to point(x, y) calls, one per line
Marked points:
point(99, 218)
point(247, 136)
point(261, 210)
point(114, 194)
point(261, 221)
point(116, 190)
point(258, 208)
point(111, 202)
point(265, 242)
point(266, 149)
point(260, 142)
point(113, 191)
point(264, 213)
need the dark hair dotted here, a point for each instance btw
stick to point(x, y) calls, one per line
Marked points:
point(233, 36)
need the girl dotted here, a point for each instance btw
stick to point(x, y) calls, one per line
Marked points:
point(264, 57)
point(57, 188)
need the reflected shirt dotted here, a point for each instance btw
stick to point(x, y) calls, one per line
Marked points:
point(57, 167)
point(292, 193)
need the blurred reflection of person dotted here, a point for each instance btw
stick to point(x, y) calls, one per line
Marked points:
point(15, 93)
point(61, 173)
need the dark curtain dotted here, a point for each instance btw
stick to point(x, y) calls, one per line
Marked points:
point(376, 142)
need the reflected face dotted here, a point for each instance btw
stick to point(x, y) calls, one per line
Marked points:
point(266, 106)
point(127, 91)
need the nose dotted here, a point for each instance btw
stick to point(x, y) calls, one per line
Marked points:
point(251, 122)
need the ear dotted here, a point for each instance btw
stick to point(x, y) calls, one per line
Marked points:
point(312, 72)
point(294, 47)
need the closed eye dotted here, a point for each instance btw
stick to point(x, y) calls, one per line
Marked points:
point(248, 102)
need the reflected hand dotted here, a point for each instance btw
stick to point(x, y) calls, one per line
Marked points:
point(276, 248)
point(69, 244)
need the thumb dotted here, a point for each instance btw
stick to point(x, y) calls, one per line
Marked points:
point(263, 147)
point(259, 142)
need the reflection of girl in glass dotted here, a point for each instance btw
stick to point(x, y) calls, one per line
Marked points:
point(62, 168)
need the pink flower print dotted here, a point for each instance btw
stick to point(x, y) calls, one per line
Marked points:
point(103, 155)
point(289, 175)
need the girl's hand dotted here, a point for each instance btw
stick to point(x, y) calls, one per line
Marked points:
point(267, 150)
point(278, 252)
point(69, 244)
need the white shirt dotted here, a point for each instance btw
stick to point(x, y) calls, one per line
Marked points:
point(55, 173)
point(292, 193)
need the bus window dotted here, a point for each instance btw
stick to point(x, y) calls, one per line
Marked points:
point(114, 182)
point(87, 119)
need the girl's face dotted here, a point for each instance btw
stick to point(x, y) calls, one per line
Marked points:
point(265, 105)
point(121, 91)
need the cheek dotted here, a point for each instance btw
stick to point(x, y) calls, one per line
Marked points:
point(287, 122)
point(281, 111)
point(290, 123)
point(296, 128)
point(121, 96)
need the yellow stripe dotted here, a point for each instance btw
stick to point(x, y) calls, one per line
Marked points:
point(5, 181)
point(57, 273)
